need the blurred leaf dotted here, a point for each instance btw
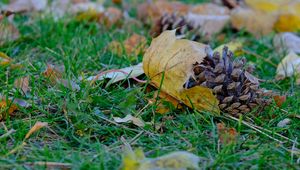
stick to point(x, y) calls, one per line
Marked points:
point(279, 100)
point(26, 5)
point(180, 160)
point(4, 59)
point(226, 135)
point(8, 32)
point(6, 107)
point(288, 67)
point(287, 42)
point(22, 83)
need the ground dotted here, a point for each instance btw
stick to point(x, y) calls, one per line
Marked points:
point(81, 130)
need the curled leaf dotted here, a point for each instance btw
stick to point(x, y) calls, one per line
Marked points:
point(168, 62)
point(289, 66)
point(37, 126)
point(130, 118)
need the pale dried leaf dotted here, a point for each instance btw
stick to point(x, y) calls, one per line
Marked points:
point(168, 62)
point(244, 18)
point(22, 83)
point(8, 32)
point(287, 42)
point(208, 24)
point(210, 9)
point(283, 123)
point(288, 67)
point(37, 126)
point(120, 74)
point(26, 5)
point(129, 118)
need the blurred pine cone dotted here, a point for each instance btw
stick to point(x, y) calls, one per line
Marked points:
point(237, 89)
point(174, 21)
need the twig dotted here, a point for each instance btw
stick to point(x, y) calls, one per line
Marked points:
point(257, 128)
point(50, 165)
point(260, 57)
point(11, 131)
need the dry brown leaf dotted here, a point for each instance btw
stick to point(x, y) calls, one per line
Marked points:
point(52, 74)
point(112, 16)
point(6, 107)
point(279, 100)
point(287, 42)
point(37, 126)
point(22, 83)
point(8, 32)
point(245, 18)
point(226, 135)
point(210, 9)
point(149, 12)
point(168, 62)
point(129, 118)
point(289, 67)
point(132, 46)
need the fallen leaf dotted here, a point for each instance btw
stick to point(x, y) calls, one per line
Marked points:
point(180, 160)
point(226, 135)
point(210, 9)
point(287, 42)
point(6, 107)
point(149, 12)
point(52, 74)
point(289, 66)
point(279, 100)
point(244, 18)
point(283, 123)
point(266, 5)
point(22, 83)
point(168, 62)
point(8, 32)
point(288, 22)
point(129, 118)
point(4, 59)
point(112, 16)
point(234, 46)
point(208, 24)
point(132, 46)
point(26, 5)
point(119, 74)
point(37, 126)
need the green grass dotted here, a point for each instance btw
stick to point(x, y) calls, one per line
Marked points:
point(79, 131)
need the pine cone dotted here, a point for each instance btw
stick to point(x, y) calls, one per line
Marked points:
point(179, 22)
point(236, 89)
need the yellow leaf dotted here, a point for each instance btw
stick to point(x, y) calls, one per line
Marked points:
point(37, 126)
point(233, 46)
point(4, 59)
point(6, 107)
point(288, 22)
point(288, 67)
point(168, 62)
point(181, 160)
point(266, 5)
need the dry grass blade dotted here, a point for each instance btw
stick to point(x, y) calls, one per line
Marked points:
point(50, 165)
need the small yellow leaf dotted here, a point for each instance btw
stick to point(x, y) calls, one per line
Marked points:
point(6, 107)
point(4, 59)
point(37, 126)
point(168, 62)
point(180, 160)
point(233, 46)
